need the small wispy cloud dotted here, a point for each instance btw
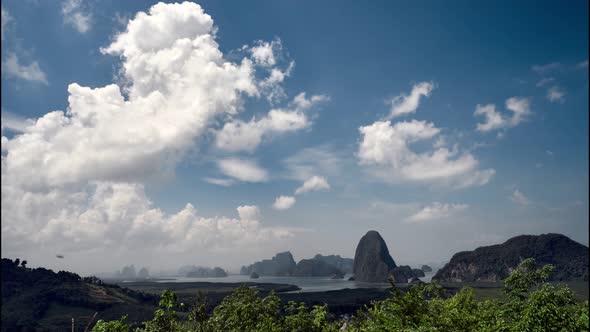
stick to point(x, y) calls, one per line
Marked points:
point(582, 64)
point(219, 181)
point(323, 160)
point(556, 94)
point(494, 119)
point(14, 122)
point(11, 67)
point(6, 18)
point(545, 81)
point(74, 15)
point(542, 69)
point(519, 198)
point(436, 211)
point(406, 104)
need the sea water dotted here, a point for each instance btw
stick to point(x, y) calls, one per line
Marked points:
point(307, 284)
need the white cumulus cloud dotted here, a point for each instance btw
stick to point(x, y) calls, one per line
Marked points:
point(264, 52)
point(283, 202)
point(249, 212)
point(178, 82)
point(386, 148)
point(73, 179)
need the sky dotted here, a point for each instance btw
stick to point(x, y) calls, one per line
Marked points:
point(219, 133)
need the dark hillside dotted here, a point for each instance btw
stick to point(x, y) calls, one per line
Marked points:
point(40, 299)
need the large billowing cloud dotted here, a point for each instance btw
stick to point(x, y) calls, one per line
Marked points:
point(178, 81)
point(74, 179)
point(386, 148)
point(120, 214)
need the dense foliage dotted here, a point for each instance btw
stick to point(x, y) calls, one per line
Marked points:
point(531, 304)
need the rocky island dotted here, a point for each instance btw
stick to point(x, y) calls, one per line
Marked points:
point(317, 268)
point(204, 272)
point(373, 263)
point(282, 264)
point(426, 268)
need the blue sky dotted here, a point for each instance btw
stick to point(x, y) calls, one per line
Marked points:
point(531, 164)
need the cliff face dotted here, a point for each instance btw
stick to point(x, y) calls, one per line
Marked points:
point(343, 264)
point(372, 262)
point(282, 264)
point(494, 263)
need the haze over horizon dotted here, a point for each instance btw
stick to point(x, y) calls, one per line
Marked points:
point(218, 134)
